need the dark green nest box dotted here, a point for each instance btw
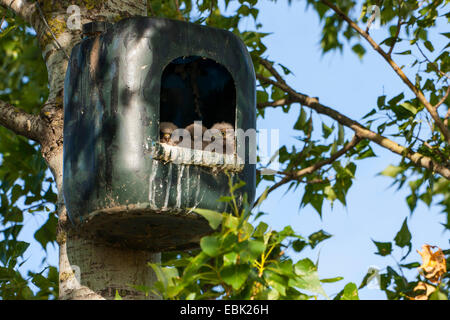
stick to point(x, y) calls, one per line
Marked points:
point(120, 183)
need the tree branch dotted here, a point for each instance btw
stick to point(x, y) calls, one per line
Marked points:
point(272, 70)
point(435, 66)
point(297, 175)
point(20, 122)
point(443, 98)
point(276, 103)
point(397, 33)
point(360, 130)
point(445, 131)
point(25, 9)
point(447, 116)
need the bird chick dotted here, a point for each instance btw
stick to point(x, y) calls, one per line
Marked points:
point(224, 131)
point(165, 136)
point(196, 131)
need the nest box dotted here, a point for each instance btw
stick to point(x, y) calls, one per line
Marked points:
point(120, 182)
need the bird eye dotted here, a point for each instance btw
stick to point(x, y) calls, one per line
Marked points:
point(223, 133)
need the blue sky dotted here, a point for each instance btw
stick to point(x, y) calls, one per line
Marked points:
point(351, 86)
point(374, 210)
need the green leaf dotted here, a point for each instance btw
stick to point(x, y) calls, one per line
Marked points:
point(384, 248)
point(403, 237)
point(6, 274)
point(411, 200)
point(438, 295)
point(19, 248)
point(366, 154)
point(237, 185)
point(308, 278)
point(276, 281)
point(260, 230)
point(410, 107)
point(340, 139)
point(371, 113)
point(230, 258)
point(381, 101)
point(359, 50)
point(235, 275)
point(47, 233)
point(256, 248)
point(210, 245)
point(301, 121)
point(332, 280)
point(262, 197)
point(392, 171)
point(298, 245)
point(214, 218)
point(329, 192)
point(230, 222)
point(412, 265)
point(406, 52)
point(326, 130)
point(429, 46)
point(225, 199)
point(316, 200)
point(371, 273)
point(395, 100)
point(159, 274)
point(5, 31)
point(277, 93)
point(350, 292)
point(317, 237)
point(262, 96)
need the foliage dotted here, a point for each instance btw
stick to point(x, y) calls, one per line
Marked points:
point(432, 280)
point(241, 261)
point(25, 186)
point(411, 38)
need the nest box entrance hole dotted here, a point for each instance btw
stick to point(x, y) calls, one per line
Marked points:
point(195, 88)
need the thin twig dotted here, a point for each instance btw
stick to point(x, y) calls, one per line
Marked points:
point(177, 5)
point(276, 103)
point(432, 63)
point(397, 33)
point(370, 21)
point(4, 16)
point(419, 94)
point(283, 86)
point(443, 98)
point(272, 70)
point(3, 20)
point(297, 175)
point(363, 132)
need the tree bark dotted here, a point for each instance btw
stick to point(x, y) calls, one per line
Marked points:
point(87, 269)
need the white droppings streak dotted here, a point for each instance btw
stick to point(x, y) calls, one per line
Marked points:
point(198, 189)
point(152, 186)
point(180, 174)
point(187, 181)
point(169, 184)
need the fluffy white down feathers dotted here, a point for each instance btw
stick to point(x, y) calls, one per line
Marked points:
point(219, 138)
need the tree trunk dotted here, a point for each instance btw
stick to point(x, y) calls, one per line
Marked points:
point(87, 269)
